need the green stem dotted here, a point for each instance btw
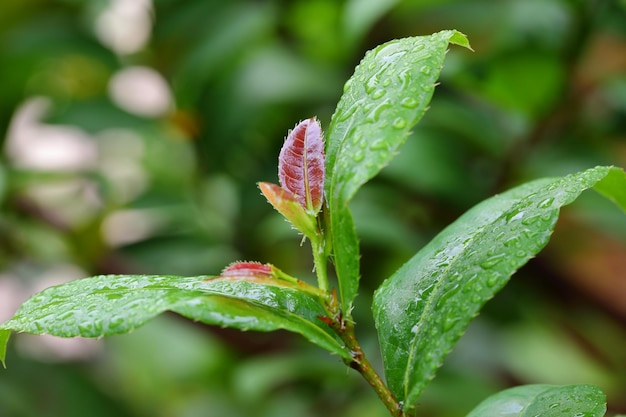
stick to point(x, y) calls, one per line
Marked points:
point(319, 260)
point(345, 330)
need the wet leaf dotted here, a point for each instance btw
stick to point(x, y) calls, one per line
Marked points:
point(387, 95)
point(544, 401)
point(107, 305)
point(301, 165)
point(422, 310)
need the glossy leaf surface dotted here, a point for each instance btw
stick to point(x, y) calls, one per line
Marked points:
point(107, 305)
point(544, 401)
point(422, 310)
point(301, 167)
point(387, 95)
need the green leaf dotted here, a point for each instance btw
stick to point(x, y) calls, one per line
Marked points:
point(387, 95)
point(544, 401)
point(422, 310)
point(4, 339)
point(108, 305)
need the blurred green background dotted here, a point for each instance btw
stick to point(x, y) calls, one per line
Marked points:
point(133, 133)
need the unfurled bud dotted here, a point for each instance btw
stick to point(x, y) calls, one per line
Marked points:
point(301, 165)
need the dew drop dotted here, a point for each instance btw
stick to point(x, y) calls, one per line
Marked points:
point(386, 82)
point(378, 145)
point(344, 114)
point(492, 261)
point(493, 279)
point(546, 203)
point(348, 84)
point(514, 215)
point(405, 78)
point(512, 242)
point(530, 220)
point(449, 322)
point(370, 85)
point(425, 70)
point(358, 156)
point(409, 103)
point(356, 138)
point(399, 123)
point(449, 293)
point(378, 93)
point(367, 108)
point(374, 115)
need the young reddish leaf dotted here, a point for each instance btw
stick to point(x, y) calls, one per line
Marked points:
point(246, 268)
point(301, 164)
point(287, 204)
point(266, 274)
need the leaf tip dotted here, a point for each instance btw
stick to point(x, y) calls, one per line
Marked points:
point(460, 39)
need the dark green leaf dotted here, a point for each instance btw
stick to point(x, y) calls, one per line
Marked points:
point(387, 95)
point(423, 309)
point(107, 305)
point(544, 401)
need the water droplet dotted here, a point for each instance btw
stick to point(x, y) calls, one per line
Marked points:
point(546, 203)
point(492, 261)
point(521, 254)
point(371, 83)
point(449, 293)
point(409, 103)
point(343, 114)
point(367, 108)
point(450, 321)
point(116, 322)
point(399, 123)
point(374, 115)
point(379, 144)
point(425, 70)
point(514, 215)
point(554, 405)
point(348, 84)
point(378, 93)
point(530, 220)
point(358, 156)
point(493, 279)
point(356, 137)
point(512, 241)
point(386, 82)
point(405, 78)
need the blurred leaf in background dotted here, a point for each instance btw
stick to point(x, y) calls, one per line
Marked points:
point(133, 136)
